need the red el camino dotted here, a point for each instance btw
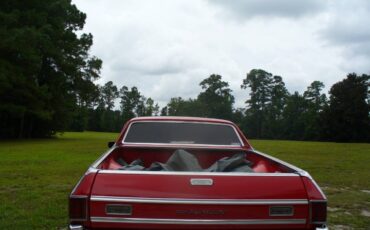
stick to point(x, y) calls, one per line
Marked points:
point(192, 173)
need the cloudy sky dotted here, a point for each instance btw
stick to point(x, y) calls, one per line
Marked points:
point(166, 47)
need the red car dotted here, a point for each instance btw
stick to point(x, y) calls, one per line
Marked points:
point(192, 173)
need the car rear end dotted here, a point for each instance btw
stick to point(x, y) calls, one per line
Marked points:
point(127, 199)
point(131, 200)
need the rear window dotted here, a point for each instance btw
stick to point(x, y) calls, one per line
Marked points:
point(182, 133)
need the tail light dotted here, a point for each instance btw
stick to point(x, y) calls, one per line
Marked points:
point(318, 211)
point(77, 208)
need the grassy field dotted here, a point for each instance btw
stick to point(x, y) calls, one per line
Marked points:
point(36, 177)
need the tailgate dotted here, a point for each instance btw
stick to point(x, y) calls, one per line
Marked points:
point(200, 200)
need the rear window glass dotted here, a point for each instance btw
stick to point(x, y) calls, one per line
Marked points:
point(182, 133)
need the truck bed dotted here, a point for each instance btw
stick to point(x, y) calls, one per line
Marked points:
point(205, 158)
point(188, 191)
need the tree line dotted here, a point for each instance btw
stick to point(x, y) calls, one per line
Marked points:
point(47, 85)
point(271, 111)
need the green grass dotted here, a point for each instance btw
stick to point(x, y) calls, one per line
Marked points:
point(36, 176)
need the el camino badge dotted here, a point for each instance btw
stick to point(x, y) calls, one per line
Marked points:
point(201, 182)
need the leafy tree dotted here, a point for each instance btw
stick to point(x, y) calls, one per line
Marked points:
point(140, 107)
point(174, 106)
point(164, 111)
point(347, 116)
point(130, 100)
point(238, 116)
point(274, 110)
point(259, 82)
point(180, 107)
point(156, 110)
point(46, 72)
point(109, 93)
point(294, 117)
point(316, 101)
point(216, 98)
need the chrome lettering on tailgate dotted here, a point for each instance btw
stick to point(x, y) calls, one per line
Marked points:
point(199, 212)
point(201, 181)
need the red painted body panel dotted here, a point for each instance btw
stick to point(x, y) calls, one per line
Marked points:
point(178, 186)
point(271, 181)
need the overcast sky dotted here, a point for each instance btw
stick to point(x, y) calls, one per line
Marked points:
point(166, 47)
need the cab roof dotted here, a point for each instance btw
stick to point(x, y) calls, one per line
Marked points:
point(181, 118)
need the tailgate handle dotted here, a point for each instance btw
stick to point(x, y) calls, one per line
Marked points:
point(201, 182)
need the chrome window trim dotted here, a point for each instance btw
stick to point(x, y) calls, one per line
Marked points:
point(115, 171)
point(196, 221)
point(200, 201)
point(189, 145)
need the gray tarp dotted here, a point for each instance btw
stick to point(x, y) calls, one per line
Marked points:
point(182, 160)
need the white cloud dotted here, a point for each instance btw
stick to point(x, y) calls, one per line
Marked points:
point(271, 8)
point(166, 48)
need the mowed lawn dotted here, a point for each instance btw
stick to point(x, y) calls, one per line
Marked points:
point(36, 177)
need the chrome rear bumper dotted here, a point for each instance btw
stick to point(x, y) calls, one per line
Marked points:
point(80, 227)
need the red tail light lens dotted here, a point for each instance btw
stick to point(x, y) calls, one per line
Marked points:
point(318, 212)
point(78, 208)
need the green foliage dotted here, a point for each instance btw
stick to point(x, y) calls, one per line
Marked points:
point(214, 101)
point(294, 117)
point(47, 85)
point(108, 93)
point(346, 118)
point(46, 72)
point(315, 103)
point(131, 103)
point(264, 113)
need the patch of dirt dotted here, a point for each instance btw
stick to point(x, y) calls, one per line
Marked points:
point(341, 227)
point(330, 209)
point(365, 213)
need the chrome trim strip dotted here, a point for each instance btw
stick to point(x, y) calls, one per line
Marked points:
point(114, 171)
point(196, 221)
point(199, 201)
point(298, 170)
point(201, 181)
point(193, 146)
point(318, 188)
point(101, 158)
point(89, 170)
point(196, 145)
